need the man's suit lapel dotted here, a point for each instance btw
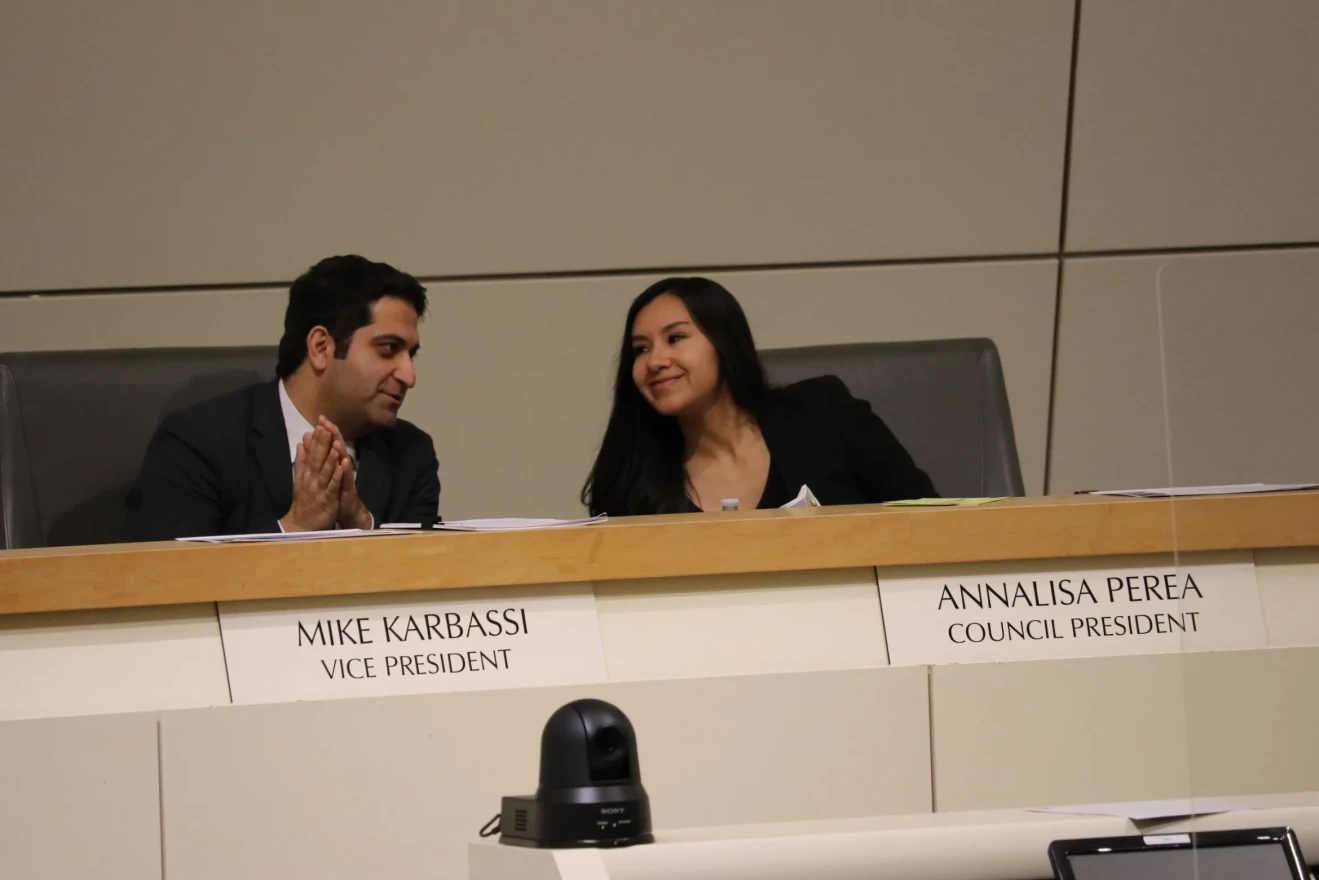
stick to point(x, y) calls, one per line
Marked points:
point(270, 446)
point(373, 474)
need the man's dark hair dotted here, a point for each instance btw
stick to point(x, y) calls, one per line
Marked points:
point(337, 294)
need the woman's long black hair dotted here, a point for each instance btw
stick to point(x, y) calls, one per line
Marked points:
point(639, 469)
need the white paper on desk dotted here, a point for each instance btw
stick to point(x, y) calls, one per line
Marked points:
point(277, 537)
point(504, 524)
point(805, 498)
point(1139, 811)
point(1192, 491)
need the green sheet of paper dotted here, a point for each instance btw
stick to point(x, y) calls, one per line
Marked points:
point(942, 502)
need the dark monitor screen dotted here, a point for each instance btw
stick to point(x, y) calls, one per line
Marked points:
point(1258, 854)
point(1264, 861)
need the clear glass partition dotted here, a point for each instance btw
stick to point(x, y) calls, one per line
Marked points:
point(1236, 338)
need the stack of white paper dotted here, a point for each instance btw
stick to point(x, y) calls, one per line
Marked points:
point(1144, 811)
point(503, 524)
point(271, 537)
point(805, 498)
point(1190, 491)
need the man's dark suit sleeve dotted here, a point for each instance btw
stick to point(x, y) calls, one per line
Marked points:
point(178, 492)
point(878, 459)
point(424, 490)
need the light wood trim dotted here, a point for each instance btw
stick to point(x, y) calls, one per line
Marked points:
point(117, 576)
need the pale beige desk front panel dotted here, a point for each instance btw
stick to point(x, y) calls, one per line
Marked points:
point(133, 660)
point(1289, 594)
point(115, 660)
point(79, 797)
point(397, 786)
point(1124, 728)
point(741, 624)
point(757, 697)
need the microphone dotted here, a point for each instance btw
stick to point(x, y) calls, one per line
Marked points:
point(132, 503)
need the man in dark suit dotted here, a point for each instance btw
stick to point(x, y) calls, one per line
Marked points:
point(322, 447)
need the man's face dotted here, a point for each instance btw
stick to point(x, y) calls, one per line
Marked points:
point(368, 386)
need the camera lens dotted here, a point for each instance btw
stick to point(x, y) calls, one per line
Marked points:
point(608, 740)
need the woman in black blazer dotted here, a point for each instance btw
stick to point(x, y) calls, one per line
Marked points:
point(695, 423)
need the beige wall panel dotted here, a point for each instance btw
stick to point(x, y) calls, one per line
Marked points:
point(142, 320)
point(398, 786)
point(1239, 333)
point(1196, 122)
point(151, 143)
point(132, 660)
point(79, 798)
point(515, 377)
point(1059, 732)
point(741, 625)
point(1252, 717)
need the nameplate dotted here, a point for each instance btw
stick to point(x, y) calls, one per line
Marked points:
point(987, 614)
point(451, 640)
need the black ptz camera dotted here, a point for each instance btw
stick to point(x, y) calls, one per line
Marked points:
point(590, 790)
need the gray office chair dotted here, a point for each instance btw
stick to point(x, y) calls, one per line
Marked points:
point(74, 426)
point(944, 399)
